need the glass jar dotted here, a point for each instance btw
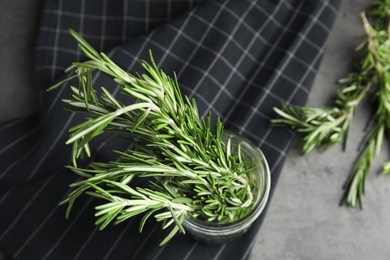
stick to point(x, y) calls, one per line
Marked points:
point(213, 233)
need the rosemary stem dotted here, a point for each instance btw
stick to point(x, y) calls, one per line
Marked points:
point(188, 166)
point(326, 127)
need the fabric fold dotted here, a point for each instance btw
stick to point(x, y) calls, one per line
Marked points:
point(237, 58)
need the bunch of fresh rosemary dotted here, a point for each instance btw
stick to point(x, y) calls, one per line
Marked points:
point(190, 169)
point(327, 127)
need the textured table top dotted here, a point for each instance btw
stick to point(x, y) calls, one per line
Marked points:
point(304, 220)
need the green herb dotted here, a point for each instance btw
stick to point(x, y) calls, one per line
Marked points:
point(188, 168)
point(326, 127)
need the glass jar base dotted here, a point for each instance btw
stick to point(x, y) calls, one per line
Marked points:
point(214, 233)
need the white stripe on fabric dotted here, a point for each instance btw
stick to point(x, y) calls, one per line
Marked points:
point(216, 257)
point(25, 207)
point(272, 44)
point(51, 250)
point(32, 174)
point(119, 238)
point(230, 65)
point(234, 70)
point(191, 250)
point(277, 24)
point(48, 151)
point(15, 142)
point(292, 8)
point(36, 230)
point(233, 40)
point(57, 38)
point(81, 26)
point(316, 58)
point(265, 59)
point(98, 149)
point(249, 249)
point(271, 85)
point(50, 68)
point(86, 35)
point(55, 100)
point(217, 113)
point(98, 17)
point(160, 250)
point(12, 123)
point(7, 193)
point(14, 163)
point(201, 40)
point(103, 19)
point(179, 59)
point(319, 23)
point(216, 81)
point(151, 232)
point(86, 242)
point(178, 34)
point(213, 79)
point(283, 154)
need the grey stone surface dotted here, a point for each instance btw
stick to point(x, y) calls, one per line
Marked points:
point(18, 25)
point(304, 220)
point(18, 90)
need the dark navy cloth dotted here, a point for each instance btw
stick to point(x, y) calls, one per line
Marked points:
point(237, 58)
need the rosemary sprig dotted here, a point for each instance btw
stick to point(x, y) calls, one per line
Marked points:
point(326, 127)
point(190, 168)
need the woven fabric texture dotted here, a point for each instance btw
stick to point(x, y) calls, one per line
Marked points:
point(237, 58)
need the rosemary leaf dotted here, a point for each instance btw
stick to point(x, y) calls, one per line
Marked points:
point(323, 127)
point(188, 168)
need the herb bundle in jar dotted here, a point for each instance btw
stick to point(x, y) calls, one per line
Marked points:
point(207, 181)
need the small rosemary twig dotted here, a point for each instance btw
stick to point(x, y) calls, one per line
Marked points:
point(327, 127)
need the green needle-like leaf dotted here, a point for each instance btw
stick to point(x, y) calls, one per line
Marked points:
point(188, 168)
point(327, 127)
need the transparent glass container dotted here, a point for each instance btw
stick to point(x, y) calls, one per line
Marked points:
point(213, 233)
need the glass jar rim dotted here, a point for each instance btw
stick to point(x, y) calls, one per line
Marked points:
point(262, 198)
